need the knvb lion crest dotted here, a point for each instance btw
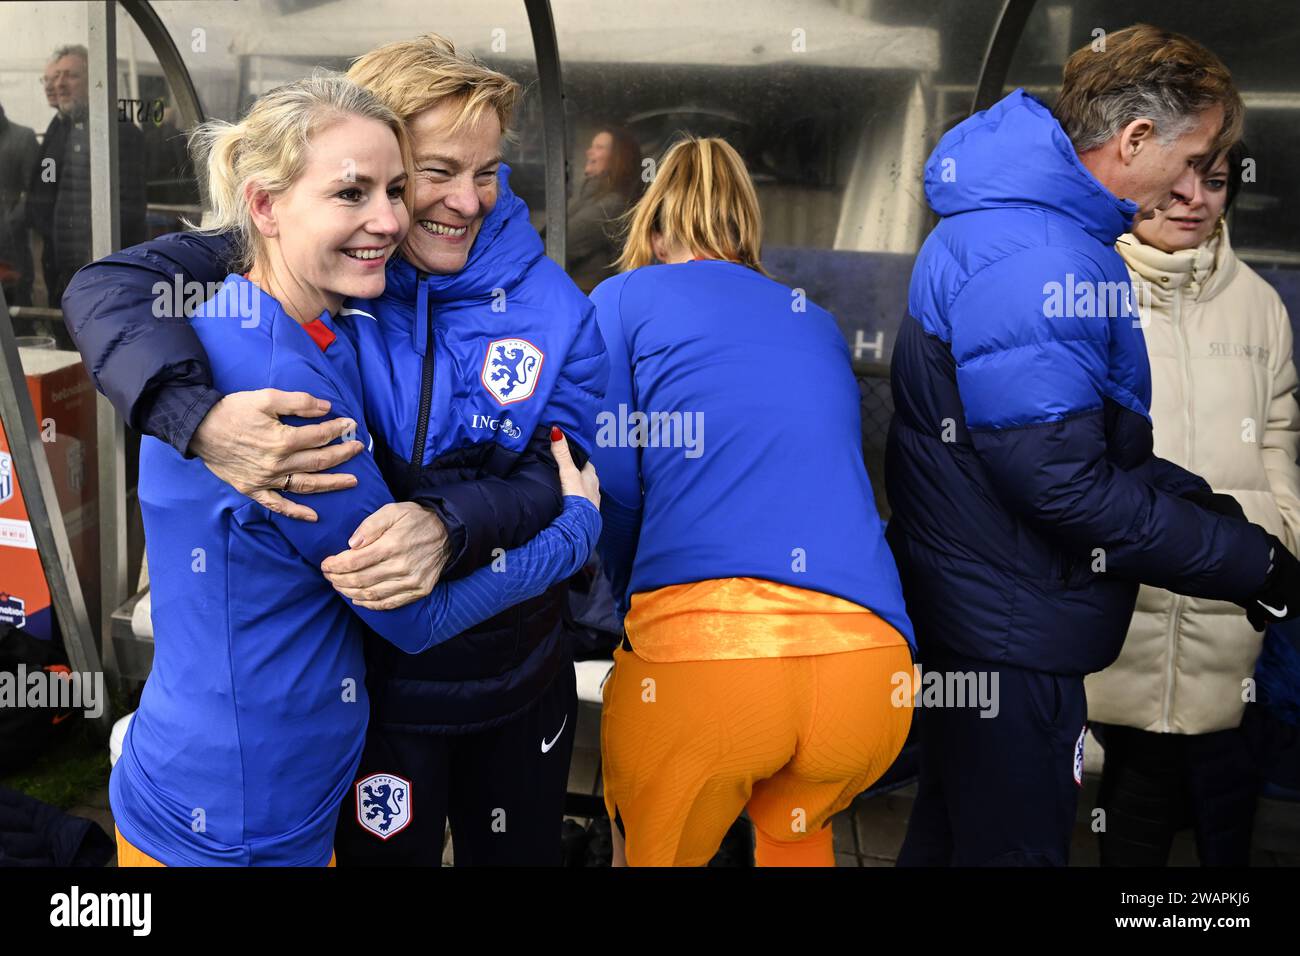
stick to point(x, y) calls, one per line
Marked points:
point(511, 369)
point(384, 804)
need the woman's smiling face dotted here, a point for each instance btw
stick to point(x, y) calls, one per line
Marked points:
point(455, 185)
point(602, 144)
point(330, 234)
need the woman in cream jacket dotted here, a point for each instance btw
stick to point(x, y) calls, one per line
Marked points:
point(1168, 710)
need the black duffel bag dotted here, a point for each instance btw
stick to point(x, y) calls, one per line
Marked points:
point(27, 731)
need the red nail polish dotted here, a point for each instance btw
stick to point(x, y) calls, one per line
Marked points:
point(556, 434)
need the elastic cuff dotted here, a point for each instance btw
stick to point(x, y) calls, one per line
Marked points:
point(182, 434)
point(457, 536)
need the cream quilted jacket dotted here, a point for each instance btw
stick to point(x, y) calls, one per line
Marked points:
point(1223, 407)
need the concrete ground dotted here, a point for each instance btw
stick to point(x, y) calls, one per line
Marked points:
point(870, 832)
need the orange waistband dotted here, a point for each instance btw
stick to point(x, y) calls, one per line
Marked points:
point(128, 855)
point(738, 618)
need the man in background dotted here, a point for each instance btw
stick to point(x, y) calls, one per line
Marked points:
point(18, 151)
point(59, 201)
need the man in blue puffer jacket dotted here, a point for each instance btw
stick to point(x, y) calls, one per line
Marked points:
point(1027, 504)
point(478, 346)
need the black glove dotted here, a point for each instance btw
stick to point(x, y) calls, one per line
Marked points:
point(1279, 598)
point(1219, 504)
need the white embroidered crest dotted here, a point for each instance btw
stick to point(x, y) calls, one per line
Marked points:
point(511, 369)
point(384, 804)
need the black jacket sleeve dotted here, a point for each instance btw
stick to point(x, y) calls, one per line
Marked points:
point(489, 512)
point(1057, 476)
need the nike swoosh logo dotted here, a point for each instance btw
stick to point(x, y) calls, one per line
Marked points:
point(1271, 610)
point(372, 443)
point(546, 748)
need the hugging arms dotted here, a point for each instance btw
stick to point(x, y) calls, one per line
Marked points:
point(127, 316)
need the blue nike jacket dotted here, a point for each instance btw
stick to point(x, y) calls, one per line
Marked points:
point(1027, 504)
point(251, 726)
point(465, 373)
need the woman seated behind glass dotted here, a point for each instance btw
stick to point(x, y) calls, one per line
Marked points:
point(611, 183)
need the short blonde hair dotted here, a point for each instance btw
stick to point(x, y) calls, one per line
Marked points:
point(269, 147)
point(411, 76)
point(703, 200)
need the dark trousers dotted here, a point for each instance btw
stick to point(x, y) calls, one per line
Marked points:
point(503, 790)
point(1000, 790)
point(1153, 785)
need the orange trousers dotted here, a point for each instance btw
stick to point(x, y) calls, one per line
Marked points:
point(688, 745)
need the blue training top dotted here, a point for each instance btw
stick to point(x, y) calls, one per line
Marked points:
point(252, 722)
point(748, 462)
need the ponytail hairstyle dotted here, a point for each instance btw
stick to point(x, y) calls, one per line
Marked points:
point(269, 147)
point(701, 199)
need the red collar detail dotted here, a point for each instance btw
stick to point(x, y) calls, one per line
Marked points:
point(320, 333)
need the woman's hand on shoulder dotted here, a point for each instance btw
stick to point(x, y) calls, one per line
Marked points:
point(244, 443)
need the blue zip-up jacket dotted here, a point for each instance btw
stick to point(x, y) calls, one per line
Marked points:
point(730, 441)
point(1027, 504)
point(496, 353)
point(493, 489)
point(253, 720)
